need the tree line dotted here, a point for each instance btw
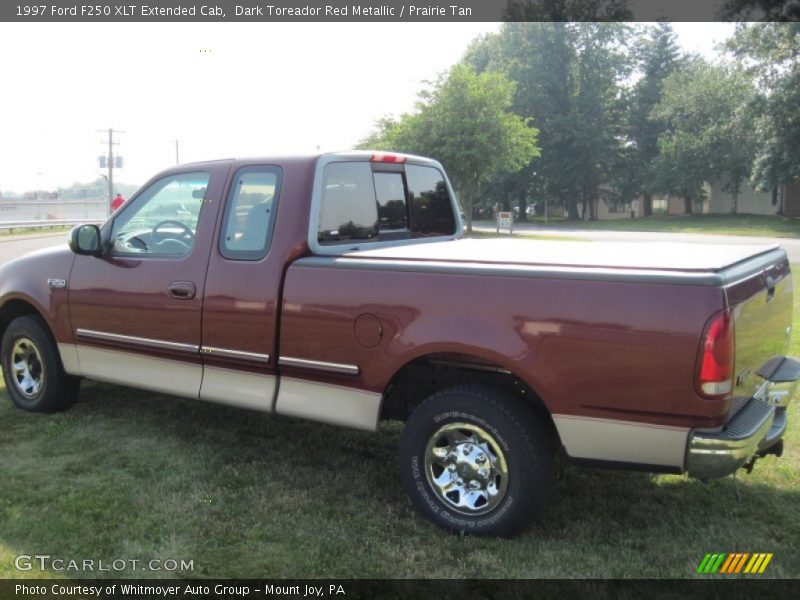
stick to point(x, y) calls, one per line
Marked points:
point(576, 113)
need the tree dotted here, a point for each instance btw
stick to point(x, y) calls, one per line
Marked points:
point(599, 115)
point(568, 76)
point(772, 51)
point(763, 10)
point(658, 56)
point(706, 112)
point(94, 189)
point(568, 10)
point(465, 122)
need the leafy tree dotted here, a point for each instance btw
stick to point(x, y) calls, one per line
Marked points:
point(681, 167)
point(465, 122)
point(658, 56)
point(602, 62)
point(94, 189)
point(706, 112)
point(763, 10)
point(568, 10)
point(772, 52)
point(568, 76)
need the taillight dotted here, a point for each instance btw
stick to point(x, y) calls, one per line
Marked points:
point(715, 361)
point(388, 158)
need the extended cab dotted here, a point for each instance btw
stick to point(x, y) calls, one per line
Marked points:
point(337, 288)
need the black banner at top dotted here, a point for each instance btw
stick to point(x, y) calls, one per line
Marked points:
point(394, 10)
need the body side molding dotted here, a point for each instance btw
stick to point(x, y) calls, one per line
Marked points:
point(227, 353)
point(89, 334)
point(319, 365)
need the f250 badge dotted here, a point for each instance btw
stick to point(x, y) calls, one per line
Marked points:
point(57, 283)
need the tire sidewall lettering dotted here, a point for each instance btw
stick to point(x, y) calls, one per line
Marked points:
point(436, 506)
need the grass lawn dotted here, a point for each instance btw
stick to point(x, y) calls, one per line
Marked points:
point(133, 475)
point(753, 225)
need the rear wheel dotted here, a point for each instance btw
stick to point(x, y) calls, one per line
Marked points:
point(476, 460)
point(35, 379)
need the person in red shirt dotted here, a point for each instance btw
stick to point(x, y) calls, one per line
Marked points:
point(117, 202)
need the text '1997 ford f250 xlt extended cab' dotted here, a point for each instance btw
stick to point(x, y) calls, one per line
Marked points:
point(337, 288)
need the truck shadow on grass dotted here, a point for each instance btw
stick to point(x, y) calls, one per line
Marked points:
point(129, 474)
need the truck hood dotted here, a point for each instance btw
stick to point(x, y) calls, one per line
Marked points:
point(660, 256)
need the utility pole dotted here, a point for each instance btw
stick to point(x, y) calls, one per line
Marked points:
point(110, 164)
point(177, 158)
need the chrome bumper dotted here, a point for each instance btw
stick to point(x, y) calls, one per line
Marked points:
point(756, 430)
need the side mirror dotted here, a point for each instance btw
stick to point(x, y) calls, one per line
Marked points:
point(85, 239)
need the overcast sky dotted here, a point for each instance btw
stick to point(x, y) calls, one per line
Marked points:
point(222, 89)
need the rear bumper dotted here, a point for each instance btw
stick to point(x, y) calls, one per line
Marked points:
point(756, 430)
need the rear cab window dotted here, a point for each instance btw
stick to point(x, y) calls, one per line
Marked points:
point(369, 201)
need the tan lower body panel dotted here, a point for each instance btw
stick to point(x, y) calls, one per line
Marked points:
point(238, 388)
point(622, 441)
point(139, 371)
point(69, 358)
point(298, 398)
point(328, 403)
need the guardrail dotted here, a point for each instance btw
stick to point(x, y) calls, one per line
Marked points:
point(10, 226)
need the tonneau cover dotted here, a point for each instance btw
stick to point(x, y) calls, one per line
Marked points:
point(617, 255)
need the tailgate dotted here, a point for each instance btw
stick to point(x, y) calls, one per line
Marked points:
point(762, 312)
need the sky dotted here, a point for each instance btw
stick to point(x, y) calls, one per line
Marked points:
point(222, 89)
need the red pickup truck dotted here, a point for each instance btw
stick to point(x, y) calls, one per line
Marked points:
point(337, 288)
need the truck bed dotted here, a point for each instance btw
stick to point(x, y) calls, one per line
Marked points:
point(621, 255)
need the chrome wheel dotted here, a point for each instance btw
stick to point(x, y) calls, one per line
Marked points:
point(466, 468)
point(26, 363)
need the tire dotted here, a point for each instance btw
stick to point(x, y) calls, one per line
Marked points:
point(35, 379)
point(477, 460)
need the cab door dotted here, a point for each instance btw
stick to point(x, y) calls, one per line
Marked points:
point(136, 309)
point(240, 309)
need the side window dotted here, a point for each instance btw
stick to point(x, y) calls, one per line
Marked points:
point(162, 220)
point(431, 209)
point(349, 210)
point(250, 213)
point(373, 201)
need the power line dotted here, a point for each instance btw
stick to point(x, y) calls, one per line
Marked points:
point(110, 164)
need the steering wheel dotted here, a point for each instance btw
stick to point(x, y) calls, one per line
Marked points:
point(187, 233)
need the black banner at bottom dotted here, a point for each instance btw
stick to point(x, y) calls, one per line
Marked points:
point(471, 589)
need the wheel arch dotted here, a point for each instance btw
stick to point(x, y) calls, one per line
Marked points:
point(20, 307)
point(59, 389)
point(424, 375)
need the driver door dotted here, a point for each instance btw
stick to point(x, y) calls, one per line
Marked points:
point(136, 310)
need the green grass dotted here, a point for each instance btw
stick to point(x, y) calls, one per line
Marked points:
point(750, 225)
point(133, 475)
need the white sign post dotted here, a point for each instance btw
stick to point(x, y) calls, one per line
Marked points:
point(505, 219)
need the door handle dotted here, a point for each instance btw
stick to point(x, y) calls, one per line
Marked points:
point(182, 290)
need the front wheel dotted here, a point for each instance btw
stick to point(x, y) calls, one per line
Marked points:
point(476, 460)
point(35, 379)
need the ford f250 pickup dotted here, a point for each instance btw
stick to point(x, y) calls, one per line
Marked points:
point(338, 288)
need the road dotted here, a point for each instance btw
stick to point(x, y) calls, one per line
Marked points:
point(791, 245)
point(14, 246)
